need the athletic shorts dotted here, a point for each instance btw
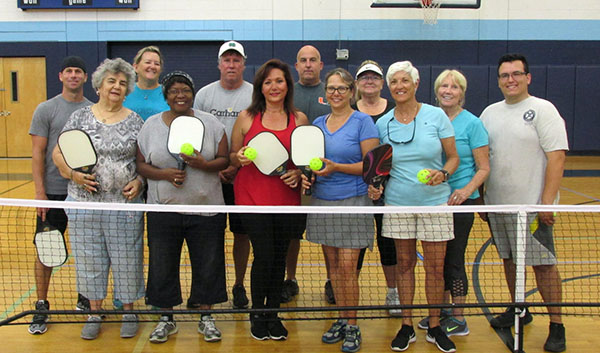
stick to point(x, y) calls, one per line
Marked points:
point(421, 226)
point(539, 245)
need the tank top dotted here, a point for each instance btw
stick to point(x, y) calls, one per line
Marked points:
point(251, 187)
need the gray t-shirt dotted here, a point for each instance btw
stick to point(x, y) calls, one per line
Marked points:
point(311, 100)
point(116, 149)
point(520, 135)
point(224, 104)
point(200, 187)
point(48, 121)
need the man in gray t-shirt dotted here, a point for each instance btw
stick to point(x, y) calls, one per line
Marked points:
point(48, 121)
point(225, 99)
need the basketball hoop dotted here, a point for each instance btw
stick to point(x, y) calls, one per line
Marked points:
point(430, 10)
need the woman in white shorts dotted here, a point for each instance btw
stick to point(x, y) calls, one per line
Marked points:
point(419, 134)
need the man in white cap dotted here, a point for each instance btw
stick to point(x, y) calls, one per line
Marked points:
point(225, 99)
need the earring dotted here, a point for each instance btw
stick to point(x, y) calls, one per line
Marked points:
point(98, 92)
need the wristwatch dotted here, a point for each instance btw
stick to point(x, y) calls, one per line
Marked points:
point(446, 174)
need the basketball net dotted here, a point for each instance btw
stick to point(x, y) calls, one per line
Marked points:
point(430, 10)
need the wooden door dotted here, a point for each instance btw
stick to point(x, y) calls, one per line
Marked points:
point(22, 88)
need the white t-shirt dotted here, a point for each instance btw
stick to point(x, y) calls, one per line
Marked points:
point(520, 135)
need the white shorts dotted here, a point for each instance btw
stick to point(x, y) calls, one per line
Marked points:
point(422, 226)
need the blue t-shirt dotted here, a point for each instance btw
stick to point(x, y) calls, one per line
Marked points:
point(146, 102)
point(424, 151)
point(470, 134)
point(343, 146)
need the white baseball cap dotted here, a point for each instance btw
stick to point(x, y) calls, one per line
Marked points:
point(369, 67)
point(232, 45)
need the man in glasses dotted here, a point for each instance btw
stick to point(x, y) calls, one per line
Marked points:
point(528, 141)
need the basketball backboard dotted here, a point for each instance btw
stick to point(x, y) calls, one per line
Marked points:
point(451, 4)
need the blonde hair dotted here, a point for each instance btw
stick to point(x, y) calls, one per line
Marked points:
point(457, 76)
point(152, 49)
point(357, 95)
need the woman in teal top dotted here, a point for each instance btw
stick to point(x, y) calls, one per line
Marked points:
point(419, 134)
point(472, 146)
point(147, 97)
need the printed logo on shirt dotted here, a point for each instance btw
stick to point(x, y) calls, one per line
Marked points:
point(529, 115)
point(322, 101)
point(227, 113)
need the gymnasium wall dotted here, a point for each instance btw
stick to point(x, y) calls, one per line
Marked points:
point(560, 38)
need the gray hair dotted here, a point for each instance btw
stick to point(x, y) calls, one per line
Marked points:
point(405, 66)
point(114, 66)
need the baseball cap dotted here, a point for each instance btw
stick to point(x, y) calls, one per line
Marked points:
point(73, 61)
point(369, 67)
point(232, 45)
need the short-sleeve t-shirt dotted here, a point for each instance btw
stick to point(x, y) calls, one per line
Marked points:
point(343, 146)
point(224, 104)
point(520, 135)
point(469, 134)
point(146, 102)
point(311, 100)
point(424, 151)
point(48, 121)
point(200, 187)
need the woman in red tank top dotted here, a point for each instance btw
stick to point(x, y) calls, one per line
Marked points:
point(272, 109)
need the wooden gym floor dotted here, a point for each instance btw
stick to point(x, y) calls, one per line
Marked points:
point(580, 186)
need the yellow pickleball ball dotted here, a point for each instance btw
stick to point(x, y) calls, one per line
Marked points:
point(423, 176)
point(187, 149)
point(315, 164)
point(250, 153)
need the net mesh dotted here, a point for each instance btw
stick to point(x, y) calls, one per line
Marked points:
point(430, 10)
point(576, 242)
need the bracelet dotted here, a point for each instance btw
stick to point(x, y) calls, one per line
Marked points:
point(72, 175)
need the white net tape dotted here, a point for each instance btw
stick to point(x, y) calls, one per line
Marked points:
point(430, 10)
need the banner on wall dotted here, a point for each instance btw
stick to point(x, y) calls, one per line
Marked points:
point(77, 4)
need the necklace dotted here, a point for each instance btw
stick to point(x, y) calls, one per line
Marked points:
point(408, 119)
point(107, 115)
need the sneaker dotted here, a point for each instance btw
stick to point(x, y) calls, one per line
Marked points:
point(240, 300)
point(424, 323)
point(453, 327)
point(38, 324)
point(83, 303)
point(258, 327)
point(329, 292)
point(392, 299)
point(207, 327)
point(404, 338)
point(91, 329)
point(129, 327)
point(507, 318)
point(436, 336)
point(276, 329)
point(289, 290)
point(556, 341)
point(163, 330)
point(336, 332)
point(352, 339)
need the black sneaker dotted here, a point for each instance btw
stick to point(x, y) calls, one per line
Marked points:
point(404, 338)
point(329, 292)
point(38, 324)
point(276, 329)
point(240, 300)
point(507, 318)
point(556, 341)
point(258, 327)
point(82, 303)
point(289, 290)
point(436, 336)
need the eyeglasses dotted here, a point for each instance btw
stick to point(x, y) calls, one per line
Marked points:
point(515, 75)
point(401, 142)
point(341, 89)
point(370, 78)
point(185, 91)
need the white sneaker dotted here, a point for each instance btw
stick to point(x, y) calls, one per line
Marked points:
point(392, 299)
point(207, 327)
point(163, 330)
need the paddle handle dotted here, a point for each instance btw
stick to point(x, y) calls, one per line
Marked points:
point(308, 173)
point(377, 180)
point(181, 166)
